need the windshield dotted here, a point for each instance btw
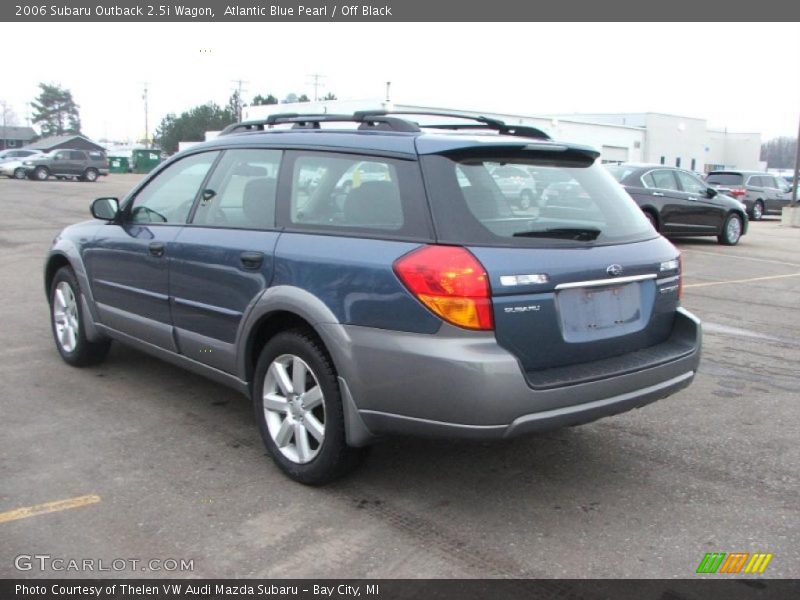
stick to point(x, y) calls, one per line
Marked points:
point(555, 200)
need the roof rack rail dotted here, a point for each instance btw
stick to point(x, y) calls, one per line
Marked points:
point(481, 122)
point(382, 120)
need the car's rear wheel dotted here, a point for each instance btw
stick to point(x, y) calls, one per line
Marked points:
point(90, 175)
point(41, 173)
point(67, 321)
point(652, 218)
point(299, 409)
point(758, 210)
point(19, 173)
point(731, 230)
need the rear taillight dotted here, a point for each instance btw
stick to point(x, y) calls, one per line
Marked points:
point(451, 282)
point(680, 276)
point(737, 192)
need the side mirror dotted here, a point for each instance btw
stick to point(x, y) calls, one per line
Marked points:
point(105, 209)
point(711, 192)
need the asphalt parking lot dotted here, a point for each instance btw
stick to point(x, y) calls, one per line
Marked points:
point(167, 465)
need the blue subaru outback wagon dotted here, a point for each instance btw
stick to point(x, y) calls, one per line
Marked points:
point(363, 275)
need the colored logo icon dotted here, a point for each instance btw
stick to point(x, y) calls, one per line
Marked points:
point(735, 562)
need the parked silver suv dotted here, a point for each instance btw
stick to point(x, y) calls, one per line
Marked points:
point(760, 192)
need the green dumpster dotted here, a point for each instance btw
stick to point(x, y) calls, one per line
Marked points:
point(144, 161)
point(118, 164)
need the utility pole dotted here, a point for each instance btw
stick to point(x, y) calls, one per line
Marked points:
point(4, 106)
point(388, 88)
point(239, 91)
point(316, 78)
point(146, 123)
point(796, 168)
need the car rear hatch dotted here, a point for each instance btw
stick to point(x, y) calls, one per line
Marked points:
point(580, 280)
point(729, 183)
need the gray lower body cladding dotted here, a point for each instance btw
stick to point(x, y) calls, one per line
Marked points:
point(463, 384)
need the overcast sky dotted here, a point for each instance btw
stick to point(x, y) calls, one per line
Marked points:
point(742, 76)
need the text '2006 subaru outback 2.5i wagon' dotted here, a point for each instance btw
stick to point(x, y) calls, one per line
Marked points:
point(423, 302)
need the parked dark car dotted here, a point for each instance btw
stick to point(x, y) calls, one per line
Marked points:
point(417, 304)
point(678, 203)
point(761, 193)
point(84, 165)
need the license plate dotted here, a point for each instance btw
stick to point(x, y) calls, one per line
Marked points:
point(598, 312)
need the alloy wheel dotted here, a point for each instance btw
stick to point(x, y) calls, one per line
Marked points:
point(65, 316)
point(734, 230)
point(294, 408)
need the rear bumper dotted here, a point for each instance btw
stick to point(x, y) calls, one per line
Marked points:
point(461, 384)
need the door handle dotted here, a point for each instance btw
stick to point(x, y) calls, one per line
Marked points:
point(692, 197)
point(251, 260)
point(156, 249)
point(657, 194)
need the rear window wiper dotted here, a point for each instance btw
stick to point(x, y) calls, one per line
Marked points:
point(567, 233)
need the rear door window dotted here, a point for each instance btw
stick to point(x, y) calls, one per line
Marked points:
point(577, 202)
point(340, 192)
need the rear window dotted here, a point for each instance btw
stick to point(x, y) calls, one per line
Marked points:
point(574, 201)
point(724, 179)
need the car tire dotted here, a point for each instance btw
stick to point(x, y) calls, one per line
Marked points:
point(525, 199)
point(303, 430)
point(41, 173)
point(19, 173)
point(758, 211)
point(67, 323)
point(731, 230)
point(90, 175)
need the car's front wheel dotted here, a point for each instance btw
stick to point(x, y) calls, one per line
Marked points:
point(731, 230)
point(67, 321)
point(41, 173)
point(299, 409)
point(90, 175)
point(19, 173)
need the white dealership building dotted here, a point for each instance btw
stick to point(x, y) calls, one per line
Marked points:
point(686, 142)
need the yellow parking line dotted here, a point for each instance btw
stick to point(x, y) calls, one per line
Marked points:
point(48, 507)
point(710, 283)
